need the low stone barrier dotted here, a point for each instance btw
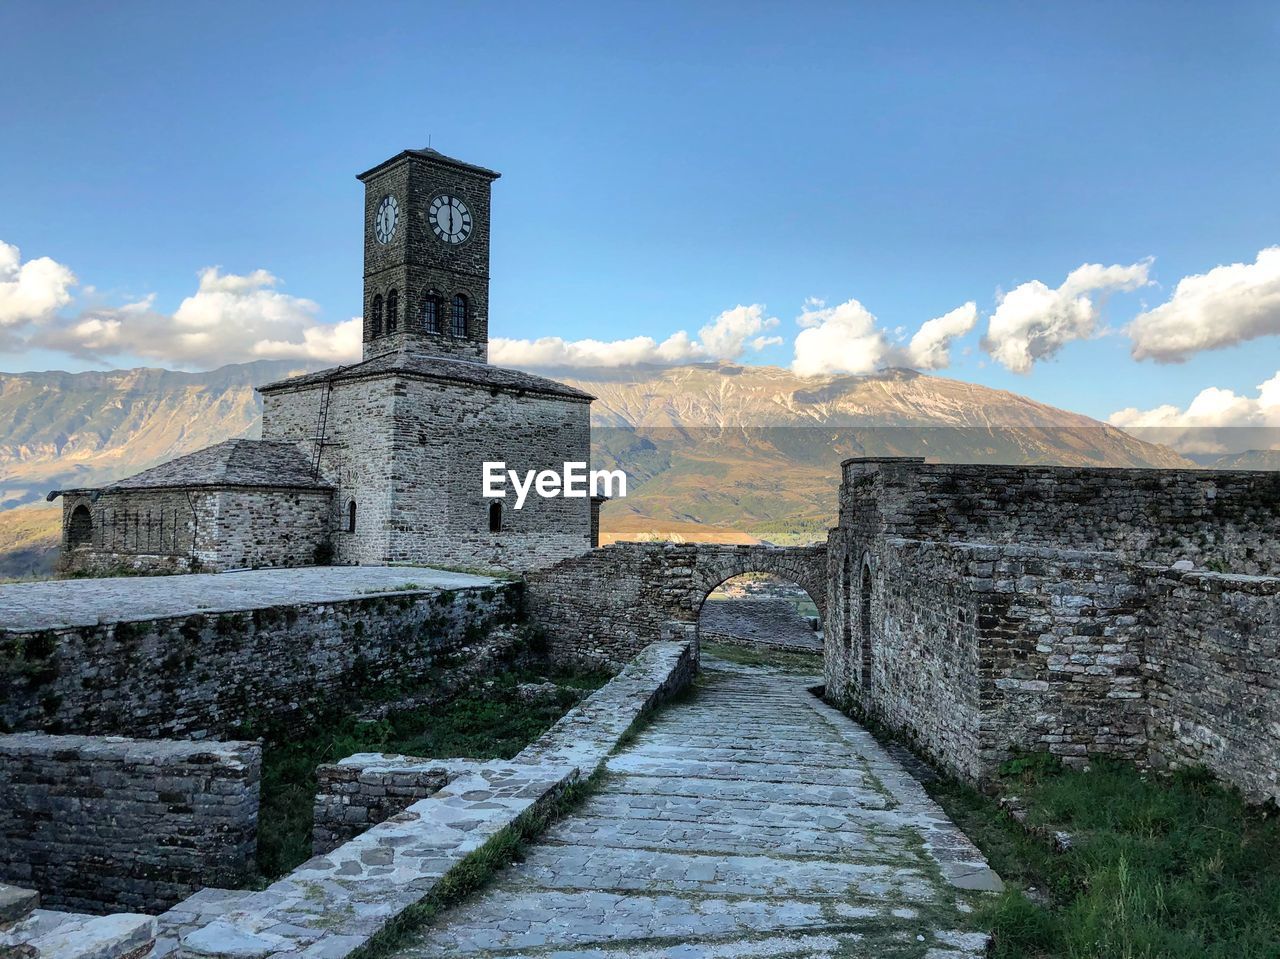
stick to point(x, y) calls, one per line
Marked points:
point(111, 823)
point(205, 673)
point(334, 904)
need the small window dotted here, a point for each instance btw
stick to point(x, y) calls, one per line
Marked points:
point(393, 310)
point(80, 529)
point(375, 321)
point(351, 517)
point(432, 307)
point(495, 517)
point(459, 315)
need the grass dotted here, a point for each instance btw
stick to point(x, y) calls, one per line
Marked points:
point(1174, 867)
point(807, 663)
point(489, 723)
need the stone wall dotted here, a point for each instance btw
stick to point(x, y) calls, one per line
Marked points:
point(205, 675)
point(1214, 518)
point(610, 603)
point(1212, 658)
point(989, 633)
point(170, 530)
point(102, 823)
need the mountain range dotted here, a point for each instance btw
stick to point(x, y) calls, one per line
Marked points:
point(724, 452)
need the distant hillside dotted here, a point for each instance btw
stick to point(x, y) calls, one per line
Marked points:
point(751, 451)
point(1248, 460)
point(82, 429)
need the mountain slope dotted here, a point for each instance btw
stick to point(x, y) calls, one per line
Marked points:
point(754, 451)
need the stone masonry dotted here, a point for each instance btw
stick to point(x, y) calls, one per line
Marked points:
point(124, 824)
point(247, 645)
point(607, 604)
point(1084, 612)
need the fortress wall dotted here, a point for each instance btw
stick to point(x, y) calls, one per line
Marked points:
point(100, 824)
point(1213, 662)
point(204, 675)
point(924, 669)
point(1215, 518)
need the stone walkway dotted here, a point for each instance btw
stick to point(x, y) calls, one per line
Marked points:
point(88, 602)
point(748, 821)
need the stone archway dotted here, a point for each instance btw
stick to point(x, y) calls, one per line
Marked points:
point(610, 603)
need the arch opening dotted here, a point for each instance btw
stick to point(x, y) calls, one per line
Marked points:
point(762, 610)
point(80, 527)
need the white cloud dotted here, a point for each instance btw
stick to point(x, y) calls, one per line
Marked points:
point(1033, 322)
point(1193, 429)
point(838, 339)
point(230, 318)
point(930, 348)
point(726, 337)
point(1208, 311)
point(31, 291)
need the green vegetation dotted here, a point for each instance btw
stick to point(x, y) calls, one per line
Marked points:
point(1171, 867)
point(806, 663)
point(490, 722)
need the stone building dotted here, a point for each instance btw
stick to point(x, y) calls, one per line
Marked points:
point(380, 461)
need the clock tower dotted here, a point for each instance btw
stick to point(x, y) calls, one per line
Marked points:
point(426, 256)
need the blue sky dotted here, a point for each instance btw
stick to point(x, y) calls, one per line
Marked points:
point(663, 163)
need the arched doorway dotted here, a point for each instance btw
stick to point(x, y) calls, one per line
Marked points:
point(80, 527)
point(763, 611)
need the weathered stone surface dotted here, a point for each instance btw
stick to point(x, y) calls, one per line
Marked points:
point(197, 655)
point(59, 935)
point(758, 621)
point(101, 823)
point(334, 903)
point(813, 844)
point(608, 604)
point(977, 648)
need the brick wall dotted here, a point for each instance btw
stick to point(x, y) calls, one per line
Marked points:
point(101, 824)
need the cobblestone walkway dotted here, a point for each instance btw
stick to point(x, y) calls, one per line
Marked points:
point(748, 821)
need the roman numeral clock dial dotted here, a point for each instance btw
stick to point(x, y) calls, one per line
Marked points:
point(450, 219)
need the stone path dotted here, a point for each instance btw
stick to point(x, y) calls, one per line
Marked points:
point(88, 602)
point(748, 821)
point(758, 621)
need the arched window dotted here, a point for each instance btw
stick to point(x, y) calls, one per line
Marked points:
point(432, 308)
point(865, 624)
point(458, 315)
point(495, 517)
point(80, 528)
point(393, 310)
point(375, 322)
point(351, 517)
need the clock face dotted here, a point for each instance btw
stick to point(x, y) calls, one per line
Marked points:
point(450, 219)
point(388, 216)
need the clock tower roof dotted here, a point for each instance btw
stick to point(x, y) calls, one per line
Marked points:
point(435, 156)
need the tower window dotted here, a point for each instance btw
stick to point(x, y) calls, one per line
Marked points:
point(495, 517)
point(432, 308)
point(375, 322)
point(351, 517)
point(459, 315)
point(80, 529)
point(393, 310)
